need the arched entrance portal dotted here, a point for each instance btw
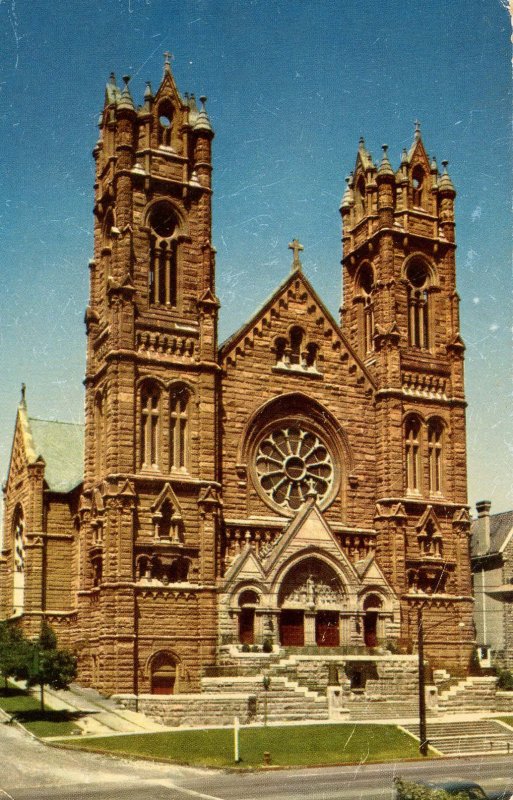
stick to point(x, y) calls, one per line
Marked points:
point(310, 599)
point(372, 606)
point(163, 674)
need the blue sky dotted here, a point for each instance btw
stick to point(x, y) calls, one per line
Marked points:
point(291, 87)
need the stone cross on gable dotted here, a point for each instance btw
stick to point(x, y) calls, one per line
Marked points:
point(296, 247)
point(167, 61)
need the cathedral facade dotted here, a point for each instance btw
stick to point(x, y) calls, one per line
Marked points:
point(302, 485)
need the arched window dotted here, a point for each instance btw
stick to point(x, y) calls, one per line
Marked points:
point(165, 128)
point(435, 455)
point(163, 281)
point(366, 286)
point(296, 340)
point(417, 274)
point(18, 532)
point(359, 198)
point(412, 454)
point(418, 182)
point(179, 428)
point(150, 426)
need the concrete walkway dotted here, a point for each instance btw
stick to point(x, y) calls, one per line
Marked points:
point(99, 716)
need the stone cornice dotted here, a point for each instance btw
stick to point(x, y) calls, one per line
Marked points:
point(398, 232)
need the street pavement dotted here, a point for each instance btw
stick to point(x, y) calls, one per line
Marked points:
point(31, 770)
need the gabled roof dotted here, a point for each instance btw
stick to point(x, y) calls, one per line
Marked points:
point(61, 445)
point(501, 530)
point(297, 274)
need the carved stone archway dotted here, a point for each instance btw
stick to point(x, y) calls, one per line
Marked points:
point(310, 599)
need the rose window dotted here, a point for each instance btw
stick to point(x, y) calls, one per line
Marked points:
point(291, 463)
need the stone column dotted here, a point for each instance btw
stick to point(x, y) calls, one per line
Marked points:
point(345, 628)
point(309, 624)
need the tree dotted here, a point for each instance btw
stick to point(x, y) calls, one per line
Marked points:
point(49, 666)
point(15, 652)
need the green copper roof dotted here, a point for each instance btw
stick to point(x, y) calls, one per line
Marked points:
point(61, 444)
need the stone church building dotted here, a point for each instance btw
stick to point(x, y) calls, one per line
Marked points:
point(301, 485)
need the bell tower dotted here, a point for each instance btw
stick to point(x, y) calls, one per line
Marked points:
point(400, 311)
point(149, 508)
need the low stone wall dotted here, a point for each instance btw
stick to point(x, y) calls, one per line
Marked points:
point(504, 702)
point(192, 709)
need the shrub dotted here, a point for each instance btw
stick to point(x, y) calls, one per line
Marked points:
point(245, 648)
point(505, 680)
point(267, 646)
point(405, 790)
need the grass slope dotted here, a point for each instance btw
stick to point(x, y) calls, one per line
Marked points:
point(26, 710)
point(288, 746)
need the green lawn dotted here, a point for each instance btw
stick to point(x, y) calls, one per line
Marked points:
point(288, 746)
point(26, 709)
point(507, 720)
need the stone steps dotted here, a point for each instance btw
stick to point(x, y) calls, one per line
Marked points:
point(453, 738)
point(286, 700)
point(381, 710)
point(469, 694)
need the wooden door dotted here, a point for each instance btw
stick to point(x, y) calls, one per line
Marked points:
point(327, 633)
point(370, 628)
point(247, 626)
point(292, 628)
point(162, 683)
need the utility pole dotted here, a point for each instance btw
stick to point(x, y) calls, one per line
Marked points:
point(422, 685)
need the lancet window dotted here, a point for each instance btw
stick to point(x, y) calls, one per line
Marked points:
point(165, 127)
point(430, 541)
point(435, 455)
point(97, 568)
point(163, 278)
point(412, 436)
point(100, 431)
point(179, 428)
point(18, 530)
point(294, 353)
point(417, 275)
point(296, 340)
point(366, 288)
point(418, 182)
point(150, 426)
point(359, 198)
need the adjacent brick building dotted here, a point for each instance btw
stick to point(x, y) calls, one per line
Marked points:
point(492, 567)
point(304, 483)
